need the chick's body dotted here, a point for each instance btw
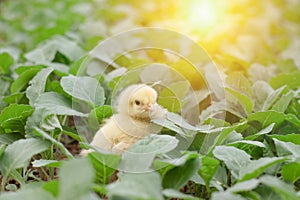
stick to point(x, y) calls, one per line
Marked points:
point(135, 109)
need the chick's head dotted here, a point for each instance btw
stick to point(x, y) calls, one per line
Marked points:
point(137, 101)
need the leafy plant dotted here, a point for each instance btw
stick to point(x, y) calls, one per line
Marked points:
point(238, 138)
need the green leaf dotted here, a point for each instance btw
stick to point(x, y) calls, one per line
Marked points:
point(14, 116)
point(23, 79)
point(282, 104)
point(257, 167)
point(157, 144)
point(209, 167)
point(171, 193)
point(8, 138)
point(291, 172)
point(84, 88)
point(139, 157)
point(46, 163)
point(244, 186)
point(285, 190)
point(98, 114)
point(226, 196)
point(15, 98)
point(264, 131)
point(52, 187)
point(178, 176)
point(287, 148)
point(172, 96)
point(294, 138)
point(104, 164)
point(267, 118)
point(46, 52)
point(235, 159)
point(218, 138)
point(2, 149)
point(17, 154)
point(243, 99)
point(27, 194)
point(76, 179)
point(292, 80)
point(45, 135)
point(76, 67)
point(37, 85)
point(57, 104)
point(273, 97)
point(137, 186)
point(6, 61)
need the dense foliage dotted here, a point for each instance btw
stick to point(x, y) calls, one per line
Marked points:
point(243, 144)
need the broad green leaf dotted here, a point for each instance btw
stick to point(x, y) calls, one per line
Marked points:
point(157, 144)
point(37, 85)
point(172, 97)
point(23, 79)
point(293, 119)
point(285, 190)
point(213, 140)
point(15, 98)
point(36, 120)
point(170, 125)
point(181, 122)
point(84, 88)
point(171, 193)
point(282, 104)
point(52, 187)
point(244, 186)
point(209, 167)
point(273, 97)
point(140, 156)
point(21, 69)
point(14, 116)
point(291, 172)
point(247, 142)
point(294, 138)
point(235, 159)
point(292, 80)
point(105, 165)
point(244, 100)
point(261, 132)
point(64, 150)
point(27, 194)
point(257, 167)
point(57, 104)
point(267, 193)
point(6, 60)
point(98, 114)
point(46, 163)
point(2, 149)
point(287, 148)
point(76, 67)
point(164, 165)
point(226, 196)
point(137, 186)
point(46, 52)
point(18, 154)
point(267, 118)
point(8, 138)
point(178, 176)
point(76, 179)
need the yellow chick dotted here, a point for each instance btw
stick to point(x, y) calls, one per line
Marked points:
point(136, 106)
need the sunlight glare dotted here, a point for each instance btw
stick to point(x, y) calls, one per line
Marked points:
point(203, 14)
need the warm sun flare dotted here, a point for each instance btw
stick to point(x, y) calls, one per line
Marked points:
point(203, 14)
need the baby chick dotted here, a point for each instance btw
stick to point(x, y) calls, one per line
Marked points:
point(135, 108)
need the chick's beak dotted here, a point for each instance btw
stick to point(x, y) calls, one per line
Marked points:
point(148, 107)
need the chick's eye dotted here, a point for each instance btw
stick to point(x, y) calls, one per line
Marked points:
point(137, 102)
